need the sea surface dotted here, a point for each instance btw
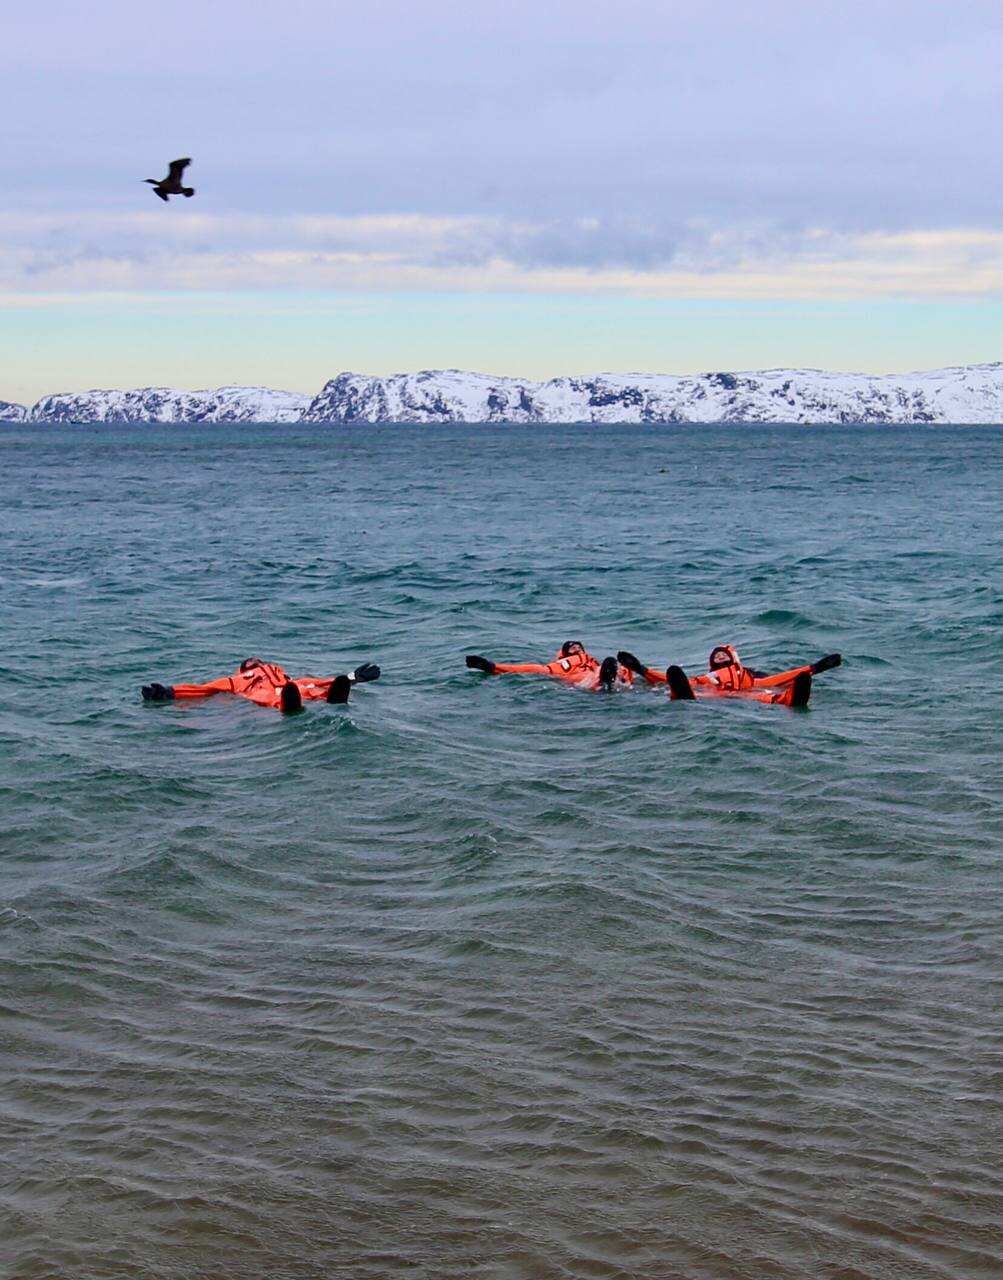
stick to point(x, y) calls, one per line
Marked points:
point(491, 977)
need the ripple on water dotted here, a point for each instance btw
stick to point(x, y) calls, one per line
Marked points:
point(492, 977)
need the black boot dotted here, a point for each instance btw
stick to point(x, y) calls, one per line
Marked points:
point(340, 688)
point(801, 691)
point(679, 684)
point(627, 659)
point(290, 698)
point(158, 693)
point(607, 674)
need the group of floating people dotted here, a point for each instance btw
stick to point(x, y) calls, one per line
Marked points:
point(268, 685)
point(725, 674)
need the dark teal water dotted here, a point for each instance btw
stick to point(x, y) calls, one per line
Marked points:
point(492, 977)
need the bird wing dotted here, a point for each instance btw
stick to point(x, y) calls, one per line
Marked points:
point(177, 168)
point(158, 192)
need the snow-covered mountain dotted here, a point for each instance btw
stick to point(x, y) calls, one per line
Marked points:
point(12, 412)
point(970, 393)
point(163, 404)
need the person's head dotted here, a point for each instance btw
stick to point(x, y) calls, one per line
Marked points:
point(571, 647)
point(249, 664)
point(723, 655)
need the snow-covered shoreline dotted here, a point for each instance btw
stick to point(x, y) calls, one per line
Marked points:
point(961, 394)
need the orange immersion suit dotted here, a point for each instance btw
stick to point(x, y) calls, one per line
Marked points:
point(739, 681)
point(579, 669)
point(261, 683)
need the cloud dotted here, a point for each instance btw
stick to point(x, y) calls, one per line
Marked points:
point(857, 115)
point(141, 252)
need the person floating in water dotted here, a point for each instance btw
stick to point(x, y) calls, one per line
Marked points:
point(727, 675)
point(573, 664)
point(268, 685)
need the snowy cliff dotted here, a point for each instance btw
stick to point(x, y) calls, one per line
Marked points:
point(966, 394)
point(970, 394)
point(163, 404)
point(12, 412)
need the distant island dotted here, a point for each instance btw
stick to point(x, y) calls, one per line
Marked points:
point(961, 394)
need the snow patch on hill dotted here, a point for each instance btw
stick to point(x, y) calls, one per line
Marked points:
point(12, 412)
point(164, 404)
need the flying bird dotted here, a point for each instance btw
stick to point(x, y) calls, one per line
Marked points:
point(171, 185)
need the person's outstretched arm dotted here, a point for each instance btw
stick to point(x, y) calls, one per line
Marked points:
point(168, 692)
point(813, 668)
point(517, 668)
point(523, 669)
point(476, 663)
point(319, 688)
point(651, 674)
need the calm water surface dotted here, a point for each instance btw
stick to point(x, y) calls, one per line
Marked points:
point(491, 977)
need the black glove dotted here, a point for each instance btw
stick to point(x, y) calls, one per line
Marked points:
point(157, 693)
point(368, 671)
point(628, 660)
point(824, 664)
point(477, 663)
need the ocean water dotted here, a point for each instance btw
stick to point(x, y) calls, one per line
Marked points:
point(491, 977)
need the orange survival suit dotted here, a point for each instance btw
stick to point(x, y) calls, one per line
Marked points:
point(728, 676)
point(259, 682)
point(572, 664)
point(263, 682)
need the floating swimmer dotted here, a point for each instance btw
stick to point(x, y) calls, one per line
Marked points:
point(727, 676)
point(573, 665)
point(171, 185)
point(268, 685)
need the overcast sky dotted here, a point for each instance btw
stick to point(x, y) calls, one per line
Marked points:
point(698, 168)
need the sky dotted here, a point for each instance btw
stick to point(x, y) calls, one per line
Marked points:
point(528, 188)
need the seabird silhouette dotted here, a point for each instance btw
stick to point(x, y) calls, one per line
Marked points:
point(171, 185)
